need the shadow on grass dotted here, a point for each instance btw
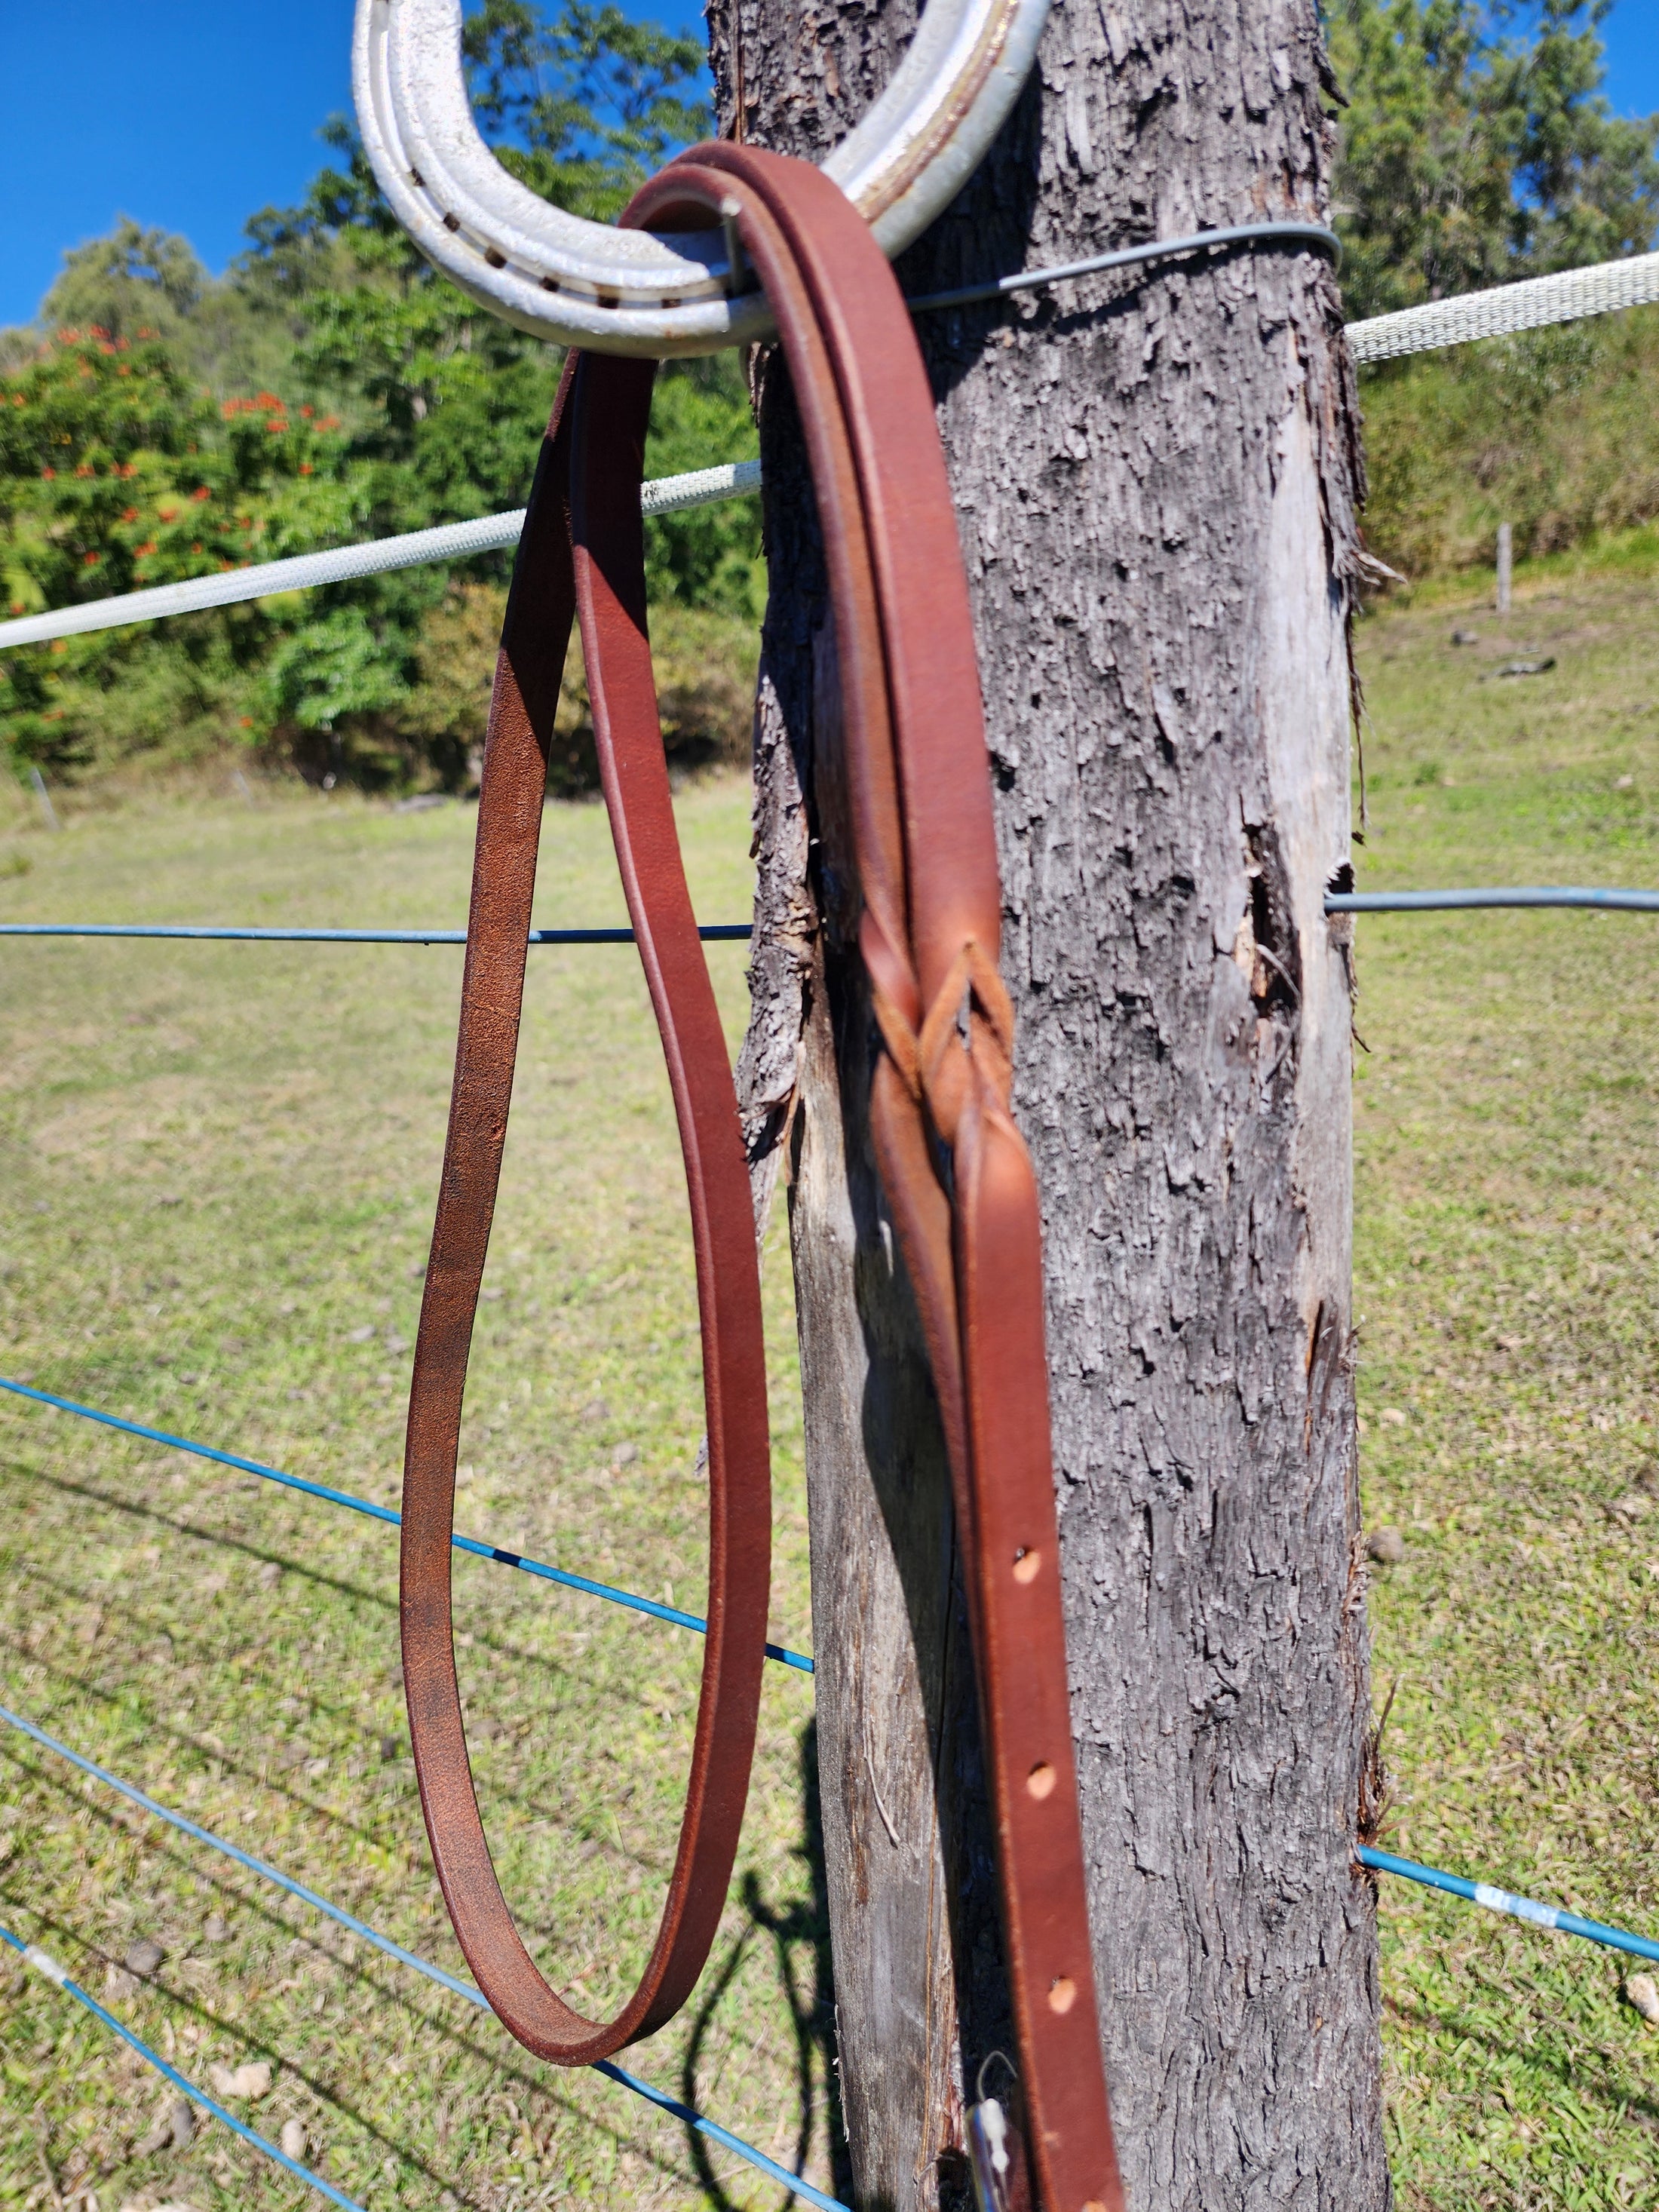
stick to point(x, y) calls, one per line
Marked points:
point(796, 1928)
point(562, 1676)
point(496, 2065)
point(1557, 2067)
point(799, 1934)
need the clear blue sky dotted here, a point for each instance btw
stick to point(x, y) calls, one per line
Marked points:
point(190, 114)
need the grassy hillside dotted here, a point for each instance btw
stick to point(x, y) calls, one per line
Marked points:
point(1555, 432)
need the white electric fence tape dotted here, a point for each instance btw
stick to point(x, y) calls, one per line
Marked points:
point(342, 564)
point(1575, 293)
point(1564, 298)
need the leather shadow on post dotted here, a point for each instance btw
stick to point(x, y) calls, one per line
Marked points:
point(955, 1170)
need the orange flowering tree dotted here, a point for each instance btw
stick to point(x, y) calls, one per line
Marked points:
point(115, 473)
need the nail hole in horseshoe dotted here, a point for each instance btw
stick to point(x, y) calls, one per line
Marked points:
point(1062, 1993)
point(1027, 1560)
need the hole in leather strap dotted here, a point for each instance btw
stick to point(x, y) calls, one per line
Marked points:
point(1062, 1993)
point(1041, 1780)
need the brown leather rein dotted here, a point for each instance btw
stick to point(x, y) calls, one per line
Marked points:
point(955, 1171)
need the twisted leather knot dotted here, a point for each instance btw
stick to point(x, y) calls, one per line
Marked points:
point(966, 1043)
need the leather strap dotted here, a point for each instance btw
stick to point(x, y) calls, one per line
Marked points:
point(534, 641)
point(955, 1173)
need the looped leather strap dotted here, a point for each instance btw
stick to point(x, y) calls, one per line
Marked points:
point(605, 570)
point(955, 1171)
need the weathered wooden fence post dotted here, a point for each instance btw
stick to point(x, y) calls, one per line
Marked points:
point(1157, 478)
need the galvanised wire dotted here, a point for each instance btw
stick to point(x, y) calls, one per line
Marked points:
point(44, 1964)
point(452, 1982)
point(353, 1503)
point(1312, 237)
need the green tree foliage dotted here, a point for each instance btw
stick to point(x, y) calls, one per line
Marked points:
point(1476, 146)
point(135, 446)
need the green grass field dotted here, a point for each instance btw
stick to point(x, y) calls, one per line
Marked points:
point(1507, 1199)
point(217, 1170)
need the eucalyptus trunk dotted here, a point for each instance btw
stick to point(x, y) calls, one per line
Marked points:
point(1157, 477)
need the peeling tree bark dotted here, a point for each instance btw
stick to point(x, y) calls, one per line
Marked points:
point(1157, 480)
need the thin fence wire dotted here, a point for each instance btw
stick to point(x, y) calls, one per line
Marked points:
point(46, 1965)
point(452, 1982)
point(353, 1503)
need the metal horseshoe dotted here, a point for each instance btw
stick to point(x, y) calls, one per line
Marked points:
point(586, 283)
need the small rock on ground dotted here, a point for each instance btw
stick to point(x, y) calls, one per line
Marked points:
point(293, 2139)
point(1643, 1992)
point(251, 2080)
point(1386, 1546)
point(143, 1956)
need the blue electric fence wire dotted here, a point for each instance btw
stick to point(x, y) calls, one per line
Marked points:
point(243, 1858)
point(1628, 902)
point(717, 2134)
point(713, 932)
point(411, 1959)
point(732, 933)
point(44, 1964)
point(780, 1652)
point(1503, 1900)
